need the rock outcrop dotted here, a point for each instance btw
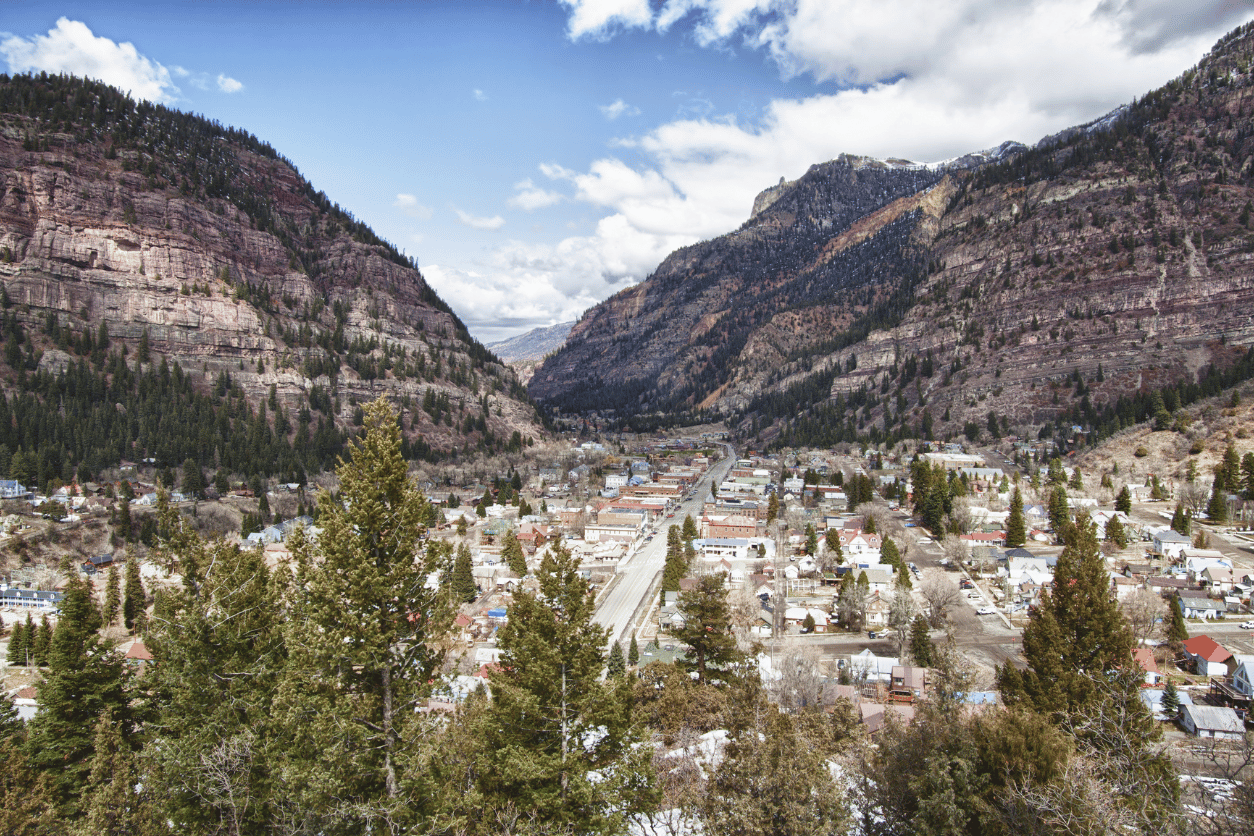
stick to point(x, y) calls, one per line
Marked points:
point(147, 221)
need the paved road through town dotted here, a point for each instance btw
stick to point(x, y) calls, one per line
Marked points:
point(618, 606)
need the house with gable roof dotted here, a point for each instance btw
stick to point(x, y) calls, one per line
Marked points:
point(1207, 656)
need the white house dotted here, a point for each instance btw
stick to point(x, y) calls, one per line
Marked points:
point(1208, 656)
point(866, 665)
point(1170, 543)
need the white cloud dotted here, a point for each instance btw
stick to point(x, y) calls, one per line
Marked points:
point(600, 19)
point(474, 222)
point(922, 80)
point(531, 197)
point(619, 108)
point(409, 205)
point(228, 85)
point(480, 96)
point(70, 47)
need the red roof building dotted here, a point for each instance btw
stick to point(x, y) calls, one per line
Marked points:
point(1209, 657)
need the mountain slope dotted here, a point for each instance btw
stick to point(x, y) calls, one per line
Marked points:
point(534, 344)
point(1109, 259)
point(131, 223)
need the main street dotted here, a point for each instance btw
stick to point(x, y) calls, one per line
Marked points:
point(630, 589)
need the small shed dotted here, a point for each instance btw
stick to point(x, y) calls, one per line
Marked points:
point(1212, 721)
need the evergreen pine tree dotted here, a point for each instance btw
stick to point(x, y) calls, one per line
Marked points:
point(812, 540)
point(512, 551)
point(463, 580)
point(219, 648)
point(556, 742)
point(921, 648)
point(1171, 700)
point(1059, 514)
point(1116, 533)
point(707, 626)
point(689, 532)
point(633, 652)
point(114, 807)
point(113, 597)
point(83, 679)
point(1016, 532)
point(17, 645)
point(29, 637)
point(134, 599)
point(1177, 629)
point(367, 643)
point(1217, 508)
point(1123, 502)
point(42, 642)
point(617, 665)
point(889, 553)
point(1230, 470)
point(1074, 636)
point(1180, 521)
point(193, 479)
point(772, 508)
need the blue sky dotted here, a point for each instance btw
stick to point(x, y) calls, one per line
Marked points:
point(538, 156)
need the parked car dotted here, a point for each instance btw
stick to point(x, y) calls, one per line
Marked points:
point(986, 611)
point(966, 584)
point(1247, 625)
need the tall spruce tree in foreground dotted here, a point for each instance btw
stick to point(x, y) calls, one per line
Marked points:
point(113, 597)
point(133, 598)
point(219, 652)
point(1076, 633)
point(707, 627)
point(463, 580)
point(1177, 629)
point(83, 680)
point(555, 744)
point(1016, 532)
point(363, 640)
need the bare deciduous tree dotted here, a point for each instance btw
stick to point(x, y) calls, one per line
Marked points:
point(941, 595)
point(798, 684)
point(1144, 611)
point(901, 611)
point(1194, 496)
point(962, 515)
point(956, 551)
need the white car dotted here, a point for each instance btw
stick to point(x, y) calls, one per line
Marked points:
point(1247, 625)
point(986, 611)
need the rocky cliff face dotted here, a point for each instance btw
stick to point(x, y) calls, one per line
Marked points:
point(1118, 254)
point(837, 242)
point(144, 220)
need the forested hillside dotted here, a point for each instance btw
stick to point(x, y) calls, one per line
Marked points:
point(175, 289)
point(1029, 289)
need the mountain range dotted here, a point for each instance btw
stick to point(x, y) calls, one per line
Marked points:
point(1012, 289)
point(135, 238)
